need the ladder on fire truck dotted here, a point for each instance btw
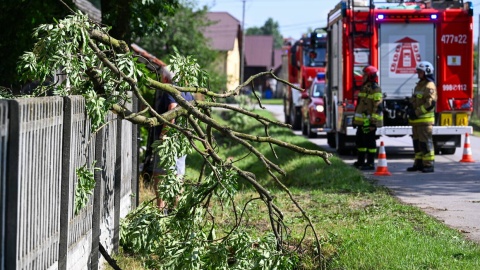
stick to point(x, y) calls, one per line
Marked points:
point(360, 39)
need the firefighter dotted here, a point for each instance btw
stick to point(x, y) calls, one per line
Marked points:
point(368, 116)
point(421, 116)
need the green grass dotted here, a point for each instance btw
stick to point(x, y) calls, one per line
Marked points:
point(360, 225)
point(274, 101)
point(250, 99)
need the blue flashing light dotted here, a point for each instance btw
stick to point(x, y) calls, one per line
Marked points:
point(380, 17)
point(321, 76)
point(433, 16)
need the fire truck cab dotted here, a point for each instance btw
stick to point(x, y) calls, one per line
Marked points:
point(394, 36)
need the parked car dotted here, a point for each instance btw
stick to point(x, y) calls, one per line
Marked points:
point(313, 109)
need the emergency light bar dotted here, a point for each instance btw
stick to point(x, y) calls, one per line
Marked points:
point(381, 17)
point(321, 75)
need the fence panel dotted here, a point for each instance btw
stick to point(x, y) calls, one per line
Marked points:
point(127, 160)
point(108, 149)
point(48, 139)
point(79, 149)
point(34, 183)
point(3, 172)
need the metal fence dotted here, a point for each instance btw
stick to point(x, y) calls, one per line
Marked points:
point(42, 143)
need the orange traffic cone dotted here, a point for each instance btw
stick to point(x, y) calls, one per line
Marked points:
point(467, 152)
point(382, 162)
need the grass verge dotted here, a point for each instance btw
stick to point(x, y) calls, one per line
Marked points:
point(273, 101)
point(361, 226)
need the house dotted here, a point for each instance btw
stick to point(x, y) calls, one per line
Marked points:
point(225, 35)
point(260, 56)
point(277, 88)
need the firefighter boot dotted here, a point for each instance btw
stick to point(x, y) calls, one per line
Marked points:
point(428, 169)
point(360, 160)
point(417, 166)
point(370, 166)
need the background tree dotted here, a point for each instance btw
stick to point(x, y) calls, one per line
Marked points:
point(128, 19)
point(270, 27)
point(131, 19)
point(17, 19)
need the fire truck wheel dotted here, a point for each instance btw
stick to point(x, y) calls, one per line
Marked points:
point(295, 118)
point(340, 144)
point(331, 139)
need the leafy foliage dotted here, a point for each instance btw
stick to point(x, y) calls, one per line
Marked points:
point(5, 93)
point(132, 19)
point(85, 186)
point(18, 18)
point(187, 71)
point(46, 63)
point(187, 239)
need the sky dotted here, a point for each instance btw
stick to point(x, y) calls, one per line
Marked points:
point(294, 17)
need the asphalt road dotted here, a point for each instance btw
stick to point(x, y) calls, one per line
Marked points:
point(451, 194)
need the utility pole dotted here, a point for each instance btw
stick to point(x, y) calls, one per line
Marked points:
point(242, 50)
point(476, 94)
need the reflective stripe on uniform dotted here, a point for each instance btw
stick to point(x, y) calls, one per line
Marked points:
point(375, 96)
point(429, 156)
point(361, 117)
point(423, 109)
point(422, 120)
point(377, 116)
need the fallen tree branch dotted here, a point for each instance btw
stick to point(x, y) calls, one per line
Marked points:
point(108, 258)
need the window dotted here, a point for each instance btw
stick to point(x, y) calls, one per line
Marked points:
point(318, 89)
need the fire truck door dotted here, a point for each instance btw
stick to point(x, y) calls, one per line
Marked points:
point(401, 47)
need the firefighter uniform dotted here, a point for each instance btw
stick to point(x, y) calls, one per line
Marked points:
point(422, 118)
point(368, 116)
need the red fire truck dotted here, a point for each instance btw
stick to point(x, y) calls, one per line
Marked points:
point(304, 59)
point(394, 36)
